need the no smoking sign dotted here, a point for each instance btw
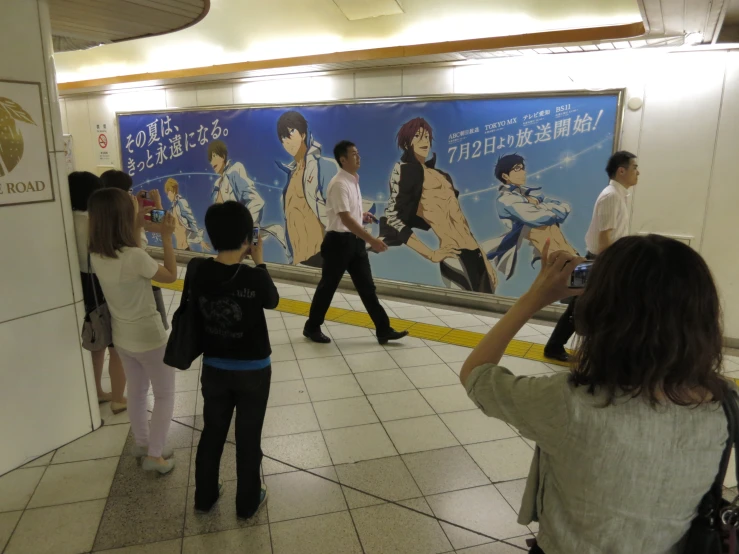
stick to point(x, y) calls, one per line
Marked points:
point(103, 141)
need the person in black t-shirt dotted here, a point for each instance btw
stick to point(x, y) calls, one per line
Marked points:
point(232, 297)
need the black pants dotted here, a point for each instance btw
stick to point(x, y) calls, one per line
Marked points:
point(565, 327)
point(536, 550)
point(224, 390)
point(474, 275)
point(345, 252)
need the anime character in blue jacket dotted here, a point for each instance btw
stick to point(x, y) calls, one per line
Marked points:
point(234, 184)
point(529, 215)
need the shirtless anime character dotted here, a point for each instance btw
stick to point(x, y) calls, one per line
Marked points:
point(423, 197)
point(303, 197)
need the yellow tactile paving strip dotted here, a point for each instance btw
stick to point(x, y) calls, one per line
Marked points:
point(458, 337)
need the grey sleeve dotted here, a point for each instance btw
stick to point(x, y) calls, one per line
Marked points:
point(536, 406)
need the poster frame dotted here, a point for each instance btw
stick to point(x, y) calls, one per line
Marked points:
point(620, 94)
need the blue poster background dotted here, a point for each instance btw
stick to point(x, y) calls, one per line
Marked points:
point(469, 136)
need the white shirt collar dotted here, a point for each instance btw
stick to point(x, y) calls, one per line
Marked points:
point(622, 190)
point(349, 176)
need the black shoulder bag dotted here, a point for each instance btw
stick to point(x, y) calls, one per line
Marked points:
point(185, 342)
point(713, 531)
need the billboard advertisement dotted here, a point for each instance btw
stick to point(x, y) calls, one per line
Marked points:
point(465, 191)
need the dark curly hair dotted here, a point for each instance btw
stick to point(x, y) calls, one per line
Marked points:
point(650, 322)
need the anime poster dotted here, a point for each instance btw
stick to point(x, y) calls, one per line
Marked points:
point(465, 191)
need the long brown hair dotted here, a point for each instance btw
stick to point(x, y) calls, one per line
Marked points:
point(112, 222)
point(650, 321)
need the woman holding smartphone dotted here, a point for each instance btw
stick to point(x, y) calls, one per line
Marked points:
point(125, 272)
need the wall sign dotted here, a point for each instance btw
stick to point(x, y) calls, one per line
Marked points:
point(466, 190)
point(25, 174)
point(101, 138)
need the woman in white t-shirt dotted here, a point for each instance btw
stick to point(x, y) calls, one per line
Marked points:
point(81, 185)
point(125, 272)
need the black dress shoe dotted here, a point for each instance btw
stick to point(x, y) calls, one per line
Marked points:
point(316, 336)
point(392, 335)
point(561, 356)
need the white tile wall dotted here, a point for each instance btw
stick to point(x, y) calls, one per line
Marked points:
point(181, 97)
point(719, 236)
point(683, 100)
point(44, 405)
point(215, 95)
point(43, 397)
point(428, 81)
point(373, 84)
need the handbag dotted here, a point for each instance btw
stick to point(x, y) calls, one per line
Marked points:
point(97, 332)
point(713, 530)
point(185, 342)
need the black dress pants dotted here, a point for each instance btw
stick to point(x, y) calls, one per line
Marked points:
point(223, 390)
point(346, 252)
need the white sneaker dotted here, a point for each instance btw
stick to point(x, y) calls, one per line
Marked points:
point(143, 451)
point(152, 465)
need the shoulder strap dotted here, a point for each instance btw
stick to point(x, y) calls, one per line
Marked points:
point(731, 411)
point(192, 269)
point(91, 280)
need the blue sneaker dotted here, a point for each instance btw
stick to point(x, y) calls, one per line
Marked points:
point(262, 502)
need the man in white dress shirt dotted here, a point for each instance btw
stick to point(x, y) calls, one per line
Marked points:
point(610, 222)
point(344, 249)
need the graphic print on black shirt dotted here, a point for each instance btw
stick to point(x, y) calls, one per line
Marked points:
point(222, 316)
point(232, 300)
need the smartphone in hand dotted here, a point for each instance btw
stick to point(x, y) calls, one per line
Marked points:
point(255, 236)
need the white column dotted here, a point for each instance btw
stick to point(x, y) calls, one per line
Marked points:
point(47, 391)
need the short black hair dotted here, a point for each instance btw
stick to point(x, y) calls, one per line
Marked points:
point(292, 120)
point(114, 178)
point(341, 150)
point(506, 164)
point(81, 186)
point(619, 159)
point(229, 225)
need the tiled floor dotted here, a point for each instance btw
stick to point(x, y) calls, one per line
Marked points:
point(368, 449)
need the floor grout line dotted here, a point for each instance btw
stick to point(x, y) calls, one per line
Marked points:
point(441, 520)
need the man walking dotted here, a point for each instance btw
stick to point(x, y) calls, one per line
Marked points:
point(610, 222)
point(344, 249)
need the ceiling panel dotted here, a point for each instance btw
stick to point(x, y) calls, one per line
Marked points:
point(238, 31)
point(86, 23)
